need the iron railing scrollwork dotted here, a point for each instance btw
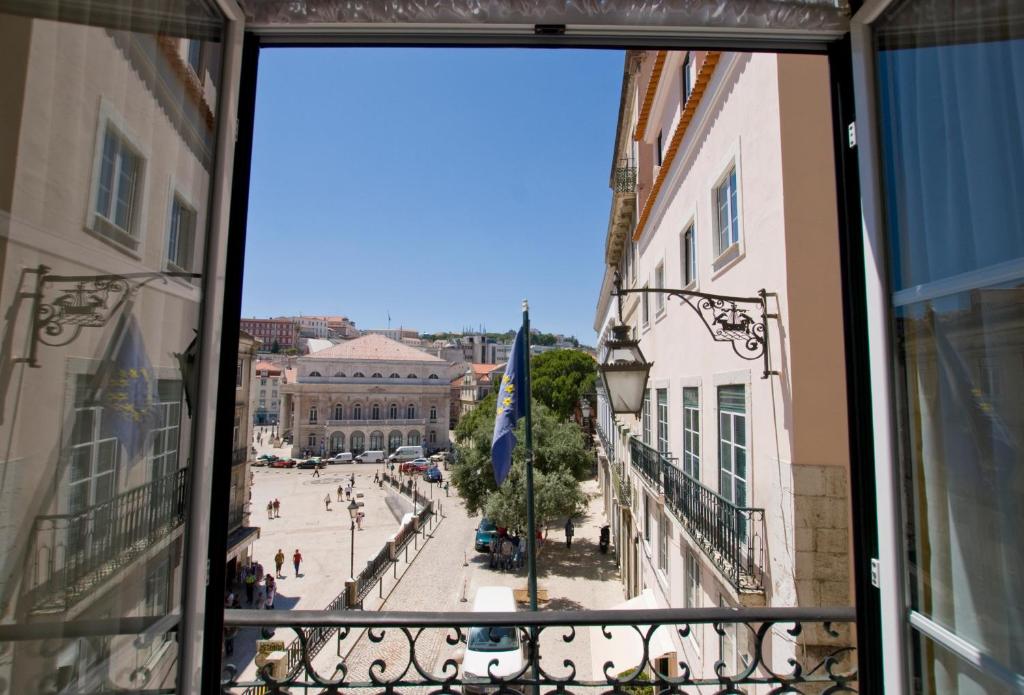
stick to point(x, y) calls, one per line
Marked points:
point(73, 553)
point(625, 177)
point(822, 658)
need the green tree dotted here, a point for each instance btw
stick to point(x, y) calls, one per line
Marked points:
point(275, 347)
point(560, 378)
point(560, 460)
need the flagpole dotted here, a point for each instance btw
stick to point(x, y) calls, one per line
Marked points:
point(531, 536)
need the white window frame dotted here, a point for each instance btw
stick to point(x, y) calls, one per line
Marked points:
point(659, 284)
point(686, 83)
point(313, 414)
point(723, 242)
point(184, 202)
point(659, 148)
point(688, 255)
point(645, 308)
point(725, 256)
point(662, 432)
point(99, 225)
point(663, 522)
point(645, 418)
point(691, 436)
point(729, 492)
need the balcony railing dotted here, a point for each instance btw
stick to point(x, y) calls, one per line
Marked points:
point(625, 177)
point(646, 460)
point(407, 422)
point(732, 537)
point(824, 662)
point(73, 553)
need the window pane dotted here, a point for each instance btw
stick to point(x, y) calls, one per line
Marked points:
point(725, 427)
point(104, 122)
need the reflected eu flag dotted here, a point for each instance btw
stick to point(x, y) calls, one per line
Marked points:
point(128, 389)
point(512, 397)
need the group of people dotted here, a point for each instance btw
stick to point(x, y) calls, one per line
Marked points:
point(508, 552)
point(274, 508)
point(260, 589)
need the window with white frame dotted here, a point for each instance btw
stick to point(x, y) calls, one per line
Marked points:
point(375, 415)
point(357, 412)
point(312, 414)
point(645, 418)
point(393, 411)
point(92, 469)
point(158, 596)
point(732, 437)
point(645, 303)
point(687, 79)
point(691, 432)
point(658, 148)
point(119, 189)
point(663, 542)
point(647, 518)
point(689, 256)
point(632, 260)
point(311, 440)
point(181, 236)
point(433, 412)
point(238, 375)
point(339, 411)
point(692, 597)
point(727, 217)
point(659, 283)
point(433, 436)
point(662, 396)
point(167, 420)
point(410, 411)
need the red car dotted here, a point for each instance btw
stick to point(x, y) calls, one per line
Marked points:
point(282, 463)
point(415, 466)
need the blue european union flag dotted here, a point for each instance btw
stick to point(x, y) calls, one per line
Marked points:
point(127, 391)
point(512, 397)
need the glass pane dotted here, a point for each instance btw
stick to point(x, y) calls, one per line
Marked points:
point(724, 427)
point(941, 672)
point(95, 123)
point(740, 430)
point(739, 462)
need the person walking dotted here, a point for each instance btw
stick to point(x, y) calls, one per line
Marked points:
point(359, 519)
point(348, 491)
point(250, 585)
point(352, 479)
point(327, 501)
point(340, 490)
point(277, 508)
point(279, 561)
point(297, 560)
point(271, 592)
point(270, 510)
point(569, 530)
point(316, 470)
point(506, 553)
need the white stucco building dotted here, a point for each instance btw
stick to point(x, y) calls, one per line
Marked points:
point(371, 392)
point(730, 489)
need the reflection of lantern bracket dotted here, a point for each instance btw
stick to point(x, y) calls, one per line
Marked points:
point(63, 305)
point(740, 321)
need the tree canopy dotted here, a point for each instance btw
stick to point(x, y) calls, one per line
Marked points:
point(560, 461)
point(560, 378)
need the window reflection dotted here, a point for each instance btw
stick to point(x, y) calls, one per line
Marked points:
point(107, 140)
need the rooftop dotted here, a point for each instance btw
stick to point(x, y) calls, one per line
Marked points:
point(374, 346)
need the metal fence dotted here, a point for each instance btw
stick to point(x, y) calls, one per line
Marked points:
point(823, 659)
point(73, 553)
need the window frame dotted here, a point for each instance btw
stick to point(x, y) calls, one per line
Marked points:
point(686, 85)
point(645, 418)
point(688, 255)
point(99, 225)
point(661, 404)
point(177, 198)
point(729, 491)
point(691, 453)
point(731, 173)
point(659, 284)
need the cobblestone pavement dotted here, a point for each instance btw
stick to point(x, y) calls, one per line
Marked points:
point(446, 573)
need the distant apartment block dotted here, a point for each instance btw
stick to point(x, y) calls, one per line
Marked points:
point(283, 332)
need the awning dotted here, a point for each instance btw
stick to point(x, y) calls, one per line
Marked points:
point(240, 538)
point(624, 647)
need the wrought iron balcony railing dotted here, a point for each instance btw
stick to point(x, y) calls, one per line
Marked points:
point(605, 443)
point(625, 177)
point(731, 536)
point(634, 640)
point(646, 460)
point(73, 553)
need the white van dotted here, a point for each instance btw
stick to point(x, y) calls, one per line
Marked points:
point(493, 642)
point(342, 457)
point(370, 457)
point(406, 453)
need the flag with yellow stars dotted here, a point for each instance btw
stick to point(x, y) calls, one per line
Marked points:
point(511, 406)
point(126, 392)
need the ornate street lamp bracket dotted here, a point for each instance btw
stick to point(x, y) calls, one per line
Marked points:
point(740, 321)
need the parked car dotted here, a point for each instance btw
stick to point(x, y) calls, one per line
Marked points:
point(484, 532)
point(370, 457)
point(311, 462)
point(492, 650)
point(282, 463)
point(415, 466)
point(342, 457)
point(432, 474)
point(406, 453)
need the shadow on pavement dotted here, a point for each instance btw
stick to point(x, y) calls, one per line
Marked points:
point(582, 560)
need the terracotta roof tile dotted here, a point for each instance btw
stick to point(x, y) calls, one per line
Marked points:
point(374, 347)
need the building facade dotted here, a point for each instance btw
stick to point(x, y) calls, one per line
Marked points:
point(728, 489)
point(477, 382)
point(266, 393)
point(370, 393)
point(282, 332)
point(341, 327)
point(240, 534)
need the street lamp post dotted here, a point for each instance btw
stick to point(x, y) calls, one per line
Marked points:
point(353, 510)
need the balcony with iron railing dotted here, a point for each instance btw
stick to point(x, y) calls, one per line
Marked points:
point(73, 553)
point(730, 535)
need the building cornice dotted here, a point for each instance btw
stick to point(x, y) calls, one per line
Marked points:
point(652, 88)
point(707, 69)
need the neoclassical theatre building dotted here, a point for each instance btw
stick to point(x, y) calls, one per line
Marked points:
point(365, 394)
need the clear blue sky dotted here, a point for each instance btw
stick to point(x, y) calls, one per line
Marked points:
point(440, 185)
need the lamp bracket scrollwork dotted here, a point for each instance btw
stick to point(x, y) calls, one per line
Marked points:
point(740, 321)
point(62, 306)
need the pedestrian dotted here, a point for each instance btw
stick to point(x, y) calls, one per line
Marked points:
point(250, 585)
point(352, 479)
point(316, 470)
point(270, 510)
point(327, 501)
point(515, 551)
point(569, 530)
point(376, 476)
point(348, 491)
point(277, 508)
point(279, 561)
point(271, 592)
point(446, 488)
point(492, 546)
point(522, 551)
point(340, 489)
point(297, 560)
point(506, 553)
point(229, 640)
point(359, 519)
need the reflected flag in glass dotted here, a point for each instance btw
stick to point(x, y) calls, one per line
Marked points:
point(126, 389)
point(511, 406)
